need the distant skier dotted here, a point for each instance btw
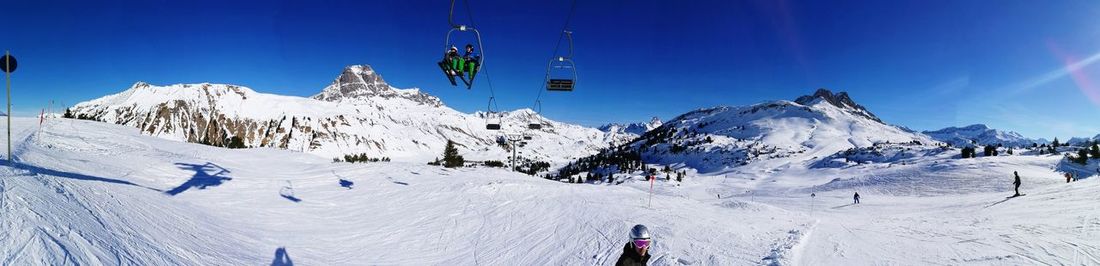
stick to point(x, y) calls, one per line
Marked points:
point(637, 251)
point(1016, 183)
point(856, 197)
point(1068, 177)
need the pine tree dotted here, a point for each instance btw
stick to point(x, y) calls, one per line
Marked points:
point(1082, 157)
point(968, 152)
point(235, 142)
point(1095, 151)
point(451, 159)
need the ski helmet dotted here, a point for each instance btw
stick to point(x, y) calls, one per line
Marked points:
point(639, 232)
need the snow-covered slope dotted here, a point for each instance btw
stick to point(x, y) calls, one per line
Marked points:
point(92, 193)
point(978, 134)
point(87, 193)
point(358, 113)
point(776, 134)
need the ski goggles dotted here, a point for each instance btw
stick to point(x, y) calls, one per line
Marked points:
point(642, 243)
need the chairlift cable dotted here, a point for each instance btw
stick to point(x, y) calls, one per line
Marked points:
point(470, 15)
point(488, 79)
point(564, 28)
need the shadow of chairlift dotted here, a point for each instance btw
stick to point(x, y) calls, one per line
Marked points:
point(346, 183)
point(288, 192)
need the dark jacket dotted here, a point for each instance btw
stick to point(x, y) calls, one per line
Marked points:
point(449, 55)
point(630, 257)
point(471, 56)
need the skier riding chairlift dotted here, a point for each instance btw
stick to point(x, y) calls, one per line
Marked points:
point(464, 67)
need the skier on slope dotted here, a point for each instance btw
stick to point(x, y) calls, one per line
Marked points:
point(637, 251)
point(1016, 183)
point(856, 197)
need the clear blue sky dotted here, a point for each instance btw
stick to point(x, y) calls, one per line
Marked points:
point(1018, 65)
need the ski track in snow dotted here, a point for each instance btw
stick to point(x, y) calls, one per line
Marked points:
point(98, 197)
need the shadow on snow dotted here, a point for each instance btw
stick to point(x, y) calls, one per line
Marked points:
point(44, 171)
point(281, 258)
point(202, 178)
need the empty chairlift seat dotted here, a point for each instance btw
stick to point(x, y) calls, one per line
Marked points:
point(560, 84)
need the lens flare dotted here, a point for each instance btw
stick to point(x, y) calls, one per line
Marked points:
point(1077, 70)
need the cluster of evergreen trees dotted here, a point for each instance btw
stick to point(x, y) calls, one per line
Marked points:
point(968, 152)
point(668, 174)
point(360, 158)
point(1083, 154)
point(233, 142)
point(1050, 149)
point(532, 167)
point(494, 163)
point(69, 114)
point(991, 150)
point(624, 159)
point(988, 150)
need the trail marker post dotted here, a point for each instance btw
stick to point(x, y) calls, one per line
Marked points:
point(8, 64)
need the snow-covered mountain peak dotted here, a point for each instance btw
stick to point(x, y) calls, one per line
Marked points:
point(144, 93)
point(360, 83)
point(358, 114)
point(654, 122)
point(771, 134)
point(980, 134)
point(632, 128)
point(140, 84)
point(840, 99)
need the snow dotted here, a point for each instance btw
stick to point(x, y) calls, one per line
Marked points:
point(85, 192)
point(635, 129)
point(769, 135)
point(357, 113)
point(979, 134)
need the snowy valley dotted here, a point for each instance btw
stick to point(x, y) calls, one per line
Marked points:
point(132, 188)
